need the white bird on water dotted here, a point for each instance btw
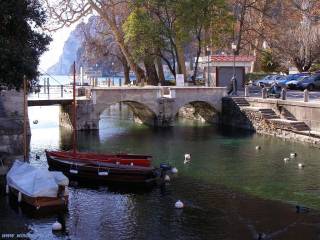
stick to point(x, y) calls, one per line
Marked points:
point(187, 158)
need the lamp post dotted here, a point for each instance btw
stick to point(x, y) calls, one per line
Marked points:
point(112, 73)
point(234, 79)
point(208, 80)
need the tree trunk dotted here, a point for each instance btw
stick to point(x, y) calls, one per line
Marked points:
point(152, 76)
point(126, 71)
point(181, 60)
point(118, 35)
point(160, 71)
point(301, 65)
point(195, 72)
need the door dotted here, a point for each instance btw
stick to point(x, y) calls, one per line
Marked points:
point(224, 75)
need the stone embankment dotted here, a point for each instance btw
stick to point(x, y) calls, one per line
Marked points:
point(240, 113)
point(11, 127)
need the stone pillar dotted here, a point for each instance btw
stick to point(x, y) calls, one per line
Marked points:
point(246, 91)
point(87, 117)
point(166, 116)
point(284, 94)
point(264, 93)
point(306, 95)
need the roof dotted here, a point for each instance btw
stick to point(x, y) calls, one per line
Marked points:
point(229, 58)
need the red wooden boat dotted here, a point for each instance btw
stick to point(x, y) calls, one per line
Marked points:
point(121, 168)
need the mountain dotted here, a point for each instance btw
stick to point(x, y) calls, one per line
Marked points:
point(69, 54)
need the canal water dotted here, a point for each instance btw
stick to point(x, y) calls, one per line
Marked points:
point(230, 189)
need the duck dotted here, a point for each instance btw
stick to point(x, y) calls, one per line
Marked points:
point(187, 158)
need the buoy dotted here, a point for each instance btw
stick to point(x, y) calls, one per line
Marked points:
point(35, 122)
point(301, 165)
point(258, 147)
point(19, 197)
point(56, 226)
point(7, 189)
point(286, 159)
point(179, 204)
point(167, 178)
point(293, 155)
point(174, 170)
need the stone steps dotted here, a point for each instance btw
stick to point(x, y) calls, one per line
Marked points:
point(241, 102)
point(300, 126)
point(268, 113)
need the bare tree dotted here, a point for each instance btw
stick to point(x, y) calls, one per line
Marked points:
point(113, 12)
point(295, 37)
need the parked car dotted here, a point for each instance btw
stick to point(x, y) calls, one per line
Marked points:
point(268, 80)
point(310, 83)
point(291, 77)
point(293, 84)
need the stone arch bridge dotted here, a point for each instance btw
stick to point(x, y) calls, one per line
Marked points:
point(157, 106)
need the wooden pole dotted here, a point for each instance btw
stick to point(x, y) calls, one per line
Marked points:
point(24, 118)
point(74, 115)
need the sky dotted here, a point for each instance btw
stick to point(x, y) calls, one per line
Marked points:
point(51, 57)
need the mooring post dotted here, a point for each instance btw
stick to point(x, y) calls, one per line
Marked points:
point(264, 93)
point(306, 95)
point(246, 91)
point(284, 94)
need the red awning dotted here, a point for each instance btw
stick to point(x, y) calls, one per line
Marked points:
point(229, 58)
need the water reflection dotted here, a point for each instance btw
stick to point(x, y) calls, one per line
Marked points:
point(224, 165)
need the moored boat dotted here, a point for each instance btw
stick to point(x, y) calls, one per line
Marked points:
point(37, 187)
point(103, 168)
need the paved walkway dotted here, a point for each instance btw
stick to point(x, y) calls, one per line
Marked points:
point(295, 95)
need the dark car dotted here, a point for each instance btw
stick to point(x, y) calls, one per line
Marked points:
point(293, 84)
point(291, 77)
point(310, 83)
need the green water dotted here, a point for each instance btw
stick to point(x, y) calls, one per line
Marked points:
point(227, 186)
point(225, 157)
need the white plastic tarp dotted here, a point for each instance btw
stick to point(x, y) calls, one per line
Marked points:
point(35, 182)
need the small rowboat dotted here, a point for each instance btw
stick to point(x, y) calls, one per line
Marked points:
point(37, 187)
point(104, 168)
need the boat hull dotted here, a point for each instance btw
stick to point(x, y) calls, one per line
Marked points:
point(40, 202)
point(103, 172)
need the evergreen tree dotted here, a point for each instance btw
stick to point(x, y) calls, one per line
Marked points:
point(21, 41)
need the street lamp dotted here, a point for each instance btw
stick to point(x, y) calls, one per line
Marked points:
point(234, 79)
point(208, 80)
point(112, 73)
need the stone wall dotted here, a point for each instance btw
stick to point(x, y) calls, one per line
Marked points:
point(251, 119)
point(11, 122)
point(301, 111)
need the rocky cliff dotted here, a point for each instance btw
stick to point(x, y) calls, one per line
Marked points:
point(69, 54)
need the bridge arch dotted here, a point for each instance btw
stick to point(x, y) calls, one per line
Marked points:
point(198, 110)
point(141, 112)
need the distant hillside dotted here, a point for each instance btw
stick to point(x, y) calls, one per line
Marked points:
point(69, 54)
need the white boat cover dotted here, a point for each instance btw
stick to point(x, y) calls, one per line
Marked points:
point(35, 182)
